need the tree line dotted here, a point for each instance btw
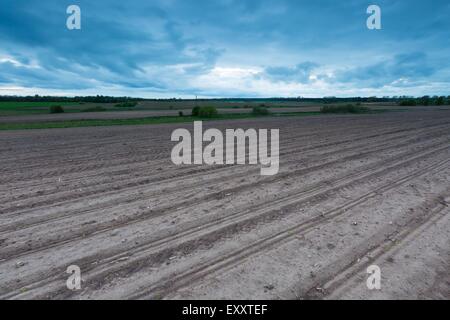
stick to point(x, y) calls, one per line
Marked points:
point(400, 100)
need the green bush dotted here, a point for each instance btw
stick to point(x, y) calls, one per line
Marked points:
point(195, 111)
point(204, 112)
point(348, 108)
point(94, 109)
point(180, 113)
point(207, 112)
point(260, 111)
point(128, 104)
point(56, 109)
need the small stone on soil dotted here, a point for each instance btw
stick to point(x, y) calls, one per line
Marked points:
point(269, 287)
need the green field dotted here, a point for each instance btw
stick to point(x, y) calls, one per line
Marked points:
point(21, 108)
point(16, 108)
point(140, 121)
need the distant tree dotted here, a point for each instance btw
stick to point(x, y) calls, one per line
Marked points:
point(440, 101)
point(408, 102)
point(195, 111)
point(425, 100)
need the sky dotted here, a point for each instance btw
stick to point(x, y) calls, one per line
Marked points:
point(225, 48)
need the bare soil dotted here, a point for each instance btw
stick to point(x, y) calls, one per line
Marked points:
point(352, 191)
